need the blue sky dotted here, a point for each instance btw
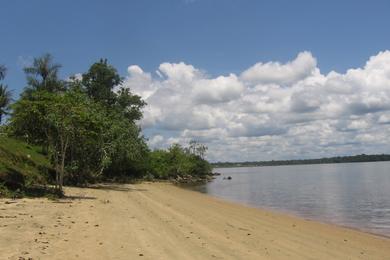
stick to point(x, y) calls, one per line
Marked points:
point(217, 36)
point(220, 43)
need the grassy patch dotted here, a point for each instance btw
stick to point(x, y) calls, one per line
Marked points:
point(22, 167)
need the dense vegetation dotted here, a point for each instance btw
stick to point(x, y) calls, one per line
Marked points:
point(339, 159)
point(5, 94)
point(181, 163)
point(87, 129)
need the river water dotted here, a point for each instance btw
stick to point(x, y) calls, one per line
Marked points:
point(354, 195)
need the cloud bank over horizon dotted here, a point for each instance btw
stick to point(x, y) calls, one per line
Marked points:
point(271, 110)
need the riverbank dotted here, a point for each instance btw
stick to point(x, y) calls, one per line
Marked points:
point(327, 160)
point(162, 221)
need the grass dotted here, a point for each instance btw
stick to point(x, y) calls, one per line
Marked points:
point(24, 170)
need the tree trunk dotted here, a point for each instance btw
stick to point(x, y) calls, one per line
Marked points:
point(64, 147)
point(56, 169)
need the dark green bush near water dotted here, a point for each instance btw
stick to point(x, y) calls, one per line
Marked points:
point(179, 161)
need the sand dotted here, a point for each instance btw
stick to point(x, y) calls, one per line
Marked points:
point(161, 221)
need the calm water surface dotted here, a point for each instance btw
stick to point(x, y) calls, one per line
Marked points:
point(355, 195)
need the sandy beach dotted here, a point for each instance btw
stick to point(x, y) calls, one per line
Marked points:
point(161, 221)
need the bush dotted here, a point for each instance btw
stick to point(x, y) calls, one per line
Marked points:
point(178, 162)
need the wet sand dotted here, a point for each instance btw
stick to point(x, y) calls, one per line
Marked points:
point(161, 221)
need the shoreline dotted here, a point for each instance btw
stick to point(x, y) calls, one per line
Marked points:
point(291, 214)
point(165, 221)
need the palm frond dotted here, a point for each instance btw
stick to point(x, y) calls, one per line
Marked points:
point(43, 74)
point(5, 98)
point(3, 71)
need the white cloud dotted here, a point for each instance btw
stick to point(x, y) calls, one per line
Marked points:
point(271, 110)
point(303, 66)
point(384, 119)
point(220, 89)
point(156, 141)
point(179, 71)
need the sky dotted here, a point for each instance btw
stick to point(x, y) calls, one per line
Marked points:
point(253, 80)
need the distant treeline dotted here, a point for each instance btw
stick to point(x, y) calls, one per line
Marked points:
point(339, 159)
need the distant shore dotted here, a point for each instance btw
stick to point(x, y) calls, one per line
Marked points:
point(327, 160)
point(162, 221)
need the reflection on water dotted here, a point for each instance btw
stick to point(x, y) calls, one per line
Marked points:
point(353, 194)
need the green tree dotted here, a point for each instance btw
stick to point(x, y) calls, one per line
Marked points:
point(71, 125)
point(130, 105)
point(197, 149)
point(43, 76)
point(159, 164)
point(69, 116)
point(126, 146)
point(3, 70)
point(179, 161)
point(5, 94)
point(5, 100)
point(100, 81)
point(28, 118)
point(128, 149)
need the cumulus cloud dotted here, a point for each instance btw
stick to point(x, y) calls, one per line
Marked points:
point(271, 110)
point(220, 89)
point(274, 72)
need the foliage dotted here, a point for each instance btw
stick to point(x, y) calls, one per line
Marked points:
point(3, 70)
point(5, 95)
point(179, 161)
point(32, 107)
point(129, 105)
point(128, 149)
point(5, 100)
point(69, 116)
point(100, 81)
point(42, 76)
point(71, 126)
point(87, 136)
point(28, 119)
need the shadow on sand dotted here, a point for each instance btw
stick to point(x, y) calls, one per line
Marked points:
point(115, 187)
point(79, 197)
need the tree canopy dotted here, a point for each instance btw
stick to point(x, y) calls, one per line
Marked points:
point(42, 75)
point(100, 81)
point(5, 94)
point(3, 70)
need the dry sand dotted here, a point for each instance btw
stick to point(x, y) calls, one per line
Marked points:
point(161, 221)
